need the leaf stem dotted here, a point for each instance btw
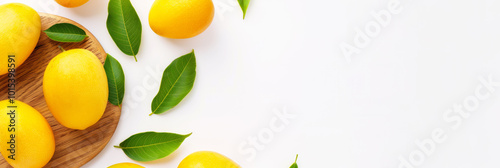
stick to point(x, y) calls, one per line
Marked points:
point(151, 114)
point(296, 156)
point(62, 49)
point(117, 146)
point(135, 58)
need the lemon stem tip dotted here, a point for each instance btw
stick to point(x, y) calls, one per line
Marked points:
point(62, 49)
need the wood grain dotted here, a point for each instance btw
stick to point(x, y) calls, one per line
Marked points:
point(74, 148)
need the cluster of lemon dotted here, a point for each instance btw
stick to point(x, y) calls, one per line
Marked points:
point(70, 75)
point(66, 83)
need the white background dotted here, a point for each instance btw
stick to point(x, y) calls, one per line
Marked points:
point(285, 56)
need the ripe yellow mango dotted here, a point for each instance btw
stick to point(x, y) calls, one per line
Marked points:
point(26, 139)
point(125, 165)
point(71, 3)
point(180, 19)
point(20, 29)
point(207, 159)
point(75, 88)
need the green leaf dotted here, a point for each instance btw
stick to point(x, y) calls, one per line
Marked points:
point(176, 83)
point(294, 165)
point(65, 32)
point(116, 80)
point(244, 6)
point(124, 26)
point(149, 146)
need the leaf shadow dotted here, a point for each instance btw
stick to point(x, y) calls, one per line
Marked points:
point(92, 7)
point(205, 39)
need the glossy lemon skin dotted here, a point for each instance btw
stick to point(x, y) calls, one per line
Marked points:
point(34, 139)
point(180, 19)
point(207, 159)
point(20, 29)
point(75, 88)
point(125, 165)
point(71, 3)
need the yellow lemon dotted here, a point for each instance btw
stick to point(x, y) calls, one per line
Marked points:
point(20, 29)
point(71, 3)
point(75, 88)
point(180, 19)
point(207, 159)
point(26, 137)
point(125, 165)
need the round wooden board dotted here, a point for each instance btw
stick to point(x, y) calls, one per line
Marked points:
point(74, 148)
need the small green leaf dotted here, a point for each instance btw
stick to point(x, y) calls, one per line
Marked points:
point(149, 146)
point(244, 6)
point(124, 26)
point(116, 80)
point(294, 165)
point(176, 83)
point(65, 32)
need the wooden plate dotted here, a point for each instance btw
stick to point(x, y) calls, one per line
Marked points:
point(74, 148)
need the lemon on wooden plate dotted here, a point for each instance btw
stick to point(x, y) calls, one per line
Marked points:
point(27, 139)
point(20, 29)
point(75, 88)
